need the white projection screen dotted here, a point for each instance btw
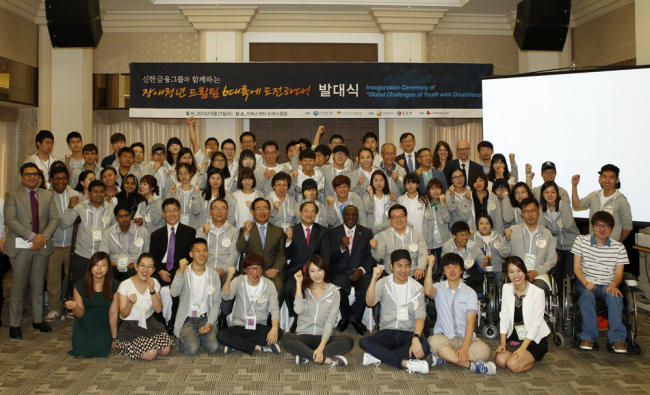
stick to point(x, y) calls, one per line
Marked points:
point(580, 121)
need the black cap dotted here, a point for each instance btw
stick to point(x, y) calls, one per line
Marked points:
point(398, 255)
point(609, 167)
point(548, 165)
point(158, 146)
point(341, 148)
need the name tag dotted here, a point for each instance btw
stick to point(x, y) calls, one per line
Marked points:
point(403, 313)
point(285, 226)
point(97, 234)
point(122, 263)
point(521, 332)
point(251, 322)
point(195, 310)
point(185, 219)
point(529, 261)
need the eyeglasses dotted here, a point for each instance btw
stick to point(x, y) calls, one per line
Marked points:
point(262, 208)
point(172, 211)
point(533, 211)
point(335, 143)
point(270, 152)
point(425, 156)
point(30, 174)
point(398, 217)
point(602, 226)
point(183, 174)
point(254, 269)
point(228, 149)
point(158, 154)
point(340, 154)
point(463, 149)
point(146, 267)
point(458, 177)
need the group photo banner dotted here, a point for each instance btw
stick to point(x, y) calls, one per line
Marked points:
point(307, 90)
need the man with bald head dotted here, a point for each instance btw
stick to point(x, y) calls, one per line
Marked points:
point(463, 163)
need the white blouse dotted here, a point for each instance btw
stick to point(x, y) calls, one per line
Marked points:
point(143, 307)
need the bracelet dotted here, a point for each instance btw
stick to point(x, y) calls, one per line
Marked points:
point(115, 339)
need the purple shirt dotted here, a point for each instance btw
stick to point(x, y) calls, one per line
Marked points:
point(28, 191)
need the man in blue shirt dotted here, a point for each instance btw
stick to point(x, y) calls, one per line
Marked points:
point(453, 337)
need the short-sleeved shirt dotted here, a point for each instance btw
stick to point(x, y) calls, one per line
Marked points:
point(143, 307)
point(452, 308)
point(599, 263)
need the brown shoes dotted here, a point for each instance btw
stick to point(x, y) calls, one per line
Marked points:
point(619, 348)
point(586, 345)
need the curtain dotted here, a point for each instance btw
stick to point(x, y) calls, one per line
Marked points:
point(6, 131)
point(148, 133)
point(454, 131)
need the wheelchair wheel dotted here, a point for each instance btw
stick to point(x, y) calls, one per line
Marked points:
point(558, 339)
point(632, 315)
point(490, 332)
point(636, 349)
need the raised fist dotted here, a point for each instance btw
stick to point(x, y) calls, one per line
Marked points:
point(298, 277)
point(376, 273)
point(345, 242)
point(133, 298)
point(508, 233)
point(191, 121)
point(172, 188)
point(395, 176)
point(321, 130)
point(276, 205)
point(289, 233)
point(431, 260)
point(392, 197)
point(248, 203)
point(360, 180)
point(231, 272)
point(468, 194)
point(330, 201)
point(471, 232)
point(138, 221)
point(370, 190)
point(182, 265)
point(67, 159)
point(442, 199)
point(419, 172)
point(269, 173)
point(306, 195)
point(529, 168)
point(575, 179)
point(452, 190)
point(373, 244)
point(74, 200)
point(70, 305)
point(294, 173)
point(248, 225)
point(512, 157)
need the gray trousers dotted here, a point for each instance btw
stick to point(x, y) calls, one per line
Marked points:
point(28, 268)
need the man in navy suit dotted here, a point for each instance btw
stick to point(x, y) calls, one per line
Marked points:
point(351, 264)
point(463, 163)
point(303, 240)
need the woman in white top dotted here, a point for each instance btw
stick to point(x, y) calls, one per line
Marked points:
point(376, 203)
point(139, 334)
point(167, 179)
point(219, 161)
point(214, 188)
point(244, 196)
point(246, 160)
point(417, 208)
point(499, 169)
point(523, 329)
point(185, 193)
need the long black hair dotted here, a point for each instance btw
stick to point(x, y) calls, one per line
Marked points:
point(170, 156)
point(132, 199)
point(513, 201)
point(82, 177)
point(207, 190)
point(225, 170)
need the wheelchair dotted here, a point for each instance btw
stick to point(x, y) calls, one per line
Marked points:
point(573, 319)
point(553, 314)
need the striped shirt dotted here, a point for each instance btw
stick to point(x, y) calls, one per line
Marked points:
point(599, 263)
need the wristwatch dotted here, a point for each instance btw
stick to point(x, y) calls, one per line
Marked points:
point(416, 336)
point(152, 292)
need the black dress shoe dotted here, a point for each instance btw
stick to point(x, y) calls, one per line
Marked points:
point(15, 332)
point(359, 327)
point(342, 325)
point(42, 326)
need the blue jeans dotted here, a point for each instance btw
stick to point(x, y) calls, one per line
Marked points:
point(391, 346)
point(587, 304)
point(190, 340)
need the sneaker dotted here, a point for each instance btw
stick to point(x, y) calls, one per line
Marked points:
point(434, 360)
point(338, 360)
point(69, 314)
point(417, 366)
point(301, 361)
point(619, 348)
point(485, 368)
point(227, 350)
point(586, 345)
point(273, 348)
point(52, 316)
point(370, 360)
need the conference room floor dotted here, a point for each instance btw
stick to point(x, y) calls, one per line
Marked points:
point(39, 363)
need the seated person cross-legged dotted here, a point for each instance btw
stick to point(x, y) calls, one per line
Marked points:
point(598, 264)
point(317, 306)
point(453, 337)
point(199, 290)
point(351, 264)
point(399, 341)
point(523, 329)
point(140, 335)
point(255, 298)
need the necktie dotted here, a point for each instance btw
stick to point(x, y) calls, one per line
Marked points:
point(465, 172)
point(263, 236)
point(170, 250)
point(411, 168)
point(308, 233)
point(34, 203)
point(350, 237)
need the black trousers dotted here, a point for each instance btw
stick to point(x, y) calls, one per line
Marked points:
point(304, 345)
point(245, 340)
point(341, 278)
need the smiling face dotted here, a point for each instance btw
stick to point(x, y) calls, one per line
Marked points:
point(215, 181)
point(479, 184)
point(145, 189)
point(271, 155)
point(435, 192)
point(602, 230)
point(247, 183)
point(316, 274)
point(219, 211)
point(248, 143)
point(425, 158)
point(515, 275)
point(145, 268)
point(174, 148)
point(321, 159)
point(401, 270)
point(307, 164)
point(350, 216)
point(30, 178)
point(126, 159)
point(59, 182)
point(443, 153)
point(229, 150)
point(308, 214)
point(550, 195)
point(219, 162)
point(89, 178)
point(461, 239)
point(453, 272)
point(171, 213)
point(254, 272)
point(99, 270)
point(608, 180)
point(462, 149)
point(458, 179)
point(108, 178)
point(521, 193)
point(129, 185)
point(340, 158)
point(365, 159)
point(97, 195)
point(261, 212)
point(342, 191)
point(398, 220)
point(199, 253)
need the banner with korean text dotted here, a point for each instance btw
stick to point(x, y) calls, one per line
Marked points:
point(307, 90)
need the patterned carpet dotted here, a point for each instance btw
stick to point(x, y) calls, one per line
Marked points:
point(39, 364)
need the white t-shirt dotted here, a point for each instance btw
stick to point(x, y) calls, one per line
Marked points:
point(603, 199)
point(198, 292)
point(143, 307)
point(380, 206)
point(415, 212)
point(243, 212)
point(400, 293)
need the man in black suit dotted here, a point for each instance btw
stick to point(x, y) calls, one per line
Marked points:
point(408, 158)
point(463, 163)
point(169, 245)
point(303, 240)
point(351, 264)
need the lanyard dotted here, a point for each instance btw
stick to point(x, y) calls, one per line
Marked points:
point(252, 298)
point(531, 241)
point(46, 169)
point(185, 197)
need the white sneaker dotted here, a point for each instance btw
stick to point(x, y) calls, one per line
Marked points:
point(370, 360)
point(434, 360)
point(52, 316)
point(301, 361)
point(485, 368)
point(417, 366)
point(338, 360)
point(273, 348)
